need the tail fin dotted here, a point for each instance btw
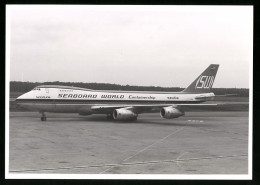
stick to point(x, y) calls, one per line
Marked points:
point(204, 82)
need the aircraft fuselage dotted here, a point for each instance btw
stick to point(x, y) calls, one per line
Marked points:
point(76, 100)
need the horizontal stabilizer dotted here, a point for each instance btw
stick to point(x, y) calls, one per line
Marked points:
point(226, 95)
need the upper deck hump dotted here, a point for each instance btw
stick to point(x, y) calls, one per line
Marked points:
point(109, 91)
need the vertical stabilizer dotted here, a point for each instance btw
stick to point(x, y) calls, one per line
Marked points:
point(204, 82)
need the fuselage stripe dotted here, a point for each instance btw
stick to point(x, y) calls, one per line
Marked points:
point(59, 101)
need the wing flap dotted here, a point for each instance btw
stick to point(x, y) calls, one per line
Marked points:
point(108, 109)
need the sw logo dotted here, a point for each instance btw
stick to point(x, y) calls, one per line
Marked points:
point(205, 82)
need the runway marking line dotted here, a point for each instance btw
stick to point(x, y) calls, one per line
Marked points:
point(193, 120)
point(133, 163)
point(179, 157)
point(140, 151)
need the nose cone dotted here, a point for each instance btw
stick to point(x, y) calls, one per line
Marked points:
point(18, 98)
point(23, 101)
point(22, 97)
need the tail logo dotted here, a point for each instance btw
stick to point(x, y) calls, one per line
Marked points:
point(205, 82)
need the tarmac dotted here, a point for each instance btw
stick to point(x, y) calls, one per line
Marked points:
point(197, 143)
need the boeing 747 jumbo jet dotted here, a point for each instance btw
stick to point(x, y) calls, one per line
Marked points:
point(119, 105)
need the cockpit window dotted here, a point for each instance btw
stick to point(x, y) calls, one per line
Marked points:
point(36, 89)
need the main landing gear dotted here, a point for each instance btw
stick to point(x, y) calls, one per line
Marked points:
point(43, 118)
point(110, 117)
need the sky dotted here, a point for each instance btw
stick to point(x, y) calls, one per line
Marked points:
point(167, 46)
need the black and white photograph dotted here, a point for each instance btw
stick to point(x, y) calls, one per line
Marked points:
point(128, 92)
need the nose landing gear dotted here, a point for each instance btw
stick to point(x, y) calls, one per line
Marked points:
point(43, 118)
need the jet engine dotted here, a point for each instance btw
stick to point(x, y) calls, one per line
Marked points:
point(171, 112)
point(124, 114)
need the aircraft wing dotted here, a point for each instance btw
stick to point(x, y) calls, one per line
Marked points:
point(139, 108)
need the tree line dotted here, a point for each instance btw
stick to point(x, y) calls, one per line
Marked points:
point(17, 86)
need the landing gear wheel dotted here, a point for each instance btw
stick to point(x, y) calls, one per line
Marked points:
point(134, 119)
point(110, 117)
point(43, 118)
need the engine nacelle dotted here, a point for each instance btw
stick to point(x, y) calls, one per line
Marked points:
point(124, 114)
point(171, 112)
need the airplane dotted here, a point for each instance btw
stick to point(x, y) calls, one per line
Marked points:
point(120, 105)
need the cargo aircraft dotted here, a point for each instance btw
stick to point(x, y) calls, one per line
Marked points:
point(120, 105)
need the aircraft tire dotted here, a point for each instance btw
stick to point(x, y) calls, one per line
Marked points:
point(110, 117)
point(43, 118)
point(135, 119)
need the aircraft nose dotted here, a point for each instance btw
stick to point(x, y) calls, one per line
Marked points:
point(18, 98)
point(21, 97)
